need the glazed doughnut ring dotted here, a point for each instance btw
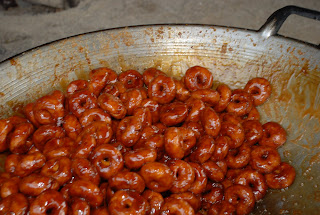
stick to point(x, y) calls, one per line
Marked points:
point(50, 108)
point(265, 159)
point(260, 90)
point(273, 135)
point(94, 114)
point(127, 203)
point(179, 141)
point(81, 101)
point(155, 201)
point(281, 177)
point(86, 190)
point(107, 159)
point(241, 103)
point(182, 92)
point(193, 200)
point(137, 158)
point(76, 86)
point(210, 121)
point(72, 126)
point(99, 78)
point(255, 180)
point(84, 170)
point(203, 150)
point(173, 113)
point(200, 179)
point(157, 176)
point(176, 206)
point(49, 201)
point(225, 97)
point(239, 157)
point(131, 79)
point(127, 181)
point(253, 131)
point(198, 78)
point(213, 171)
point(14, 204)
point(112, 105)
point(150, 74)
point(241, 197)
point(58, 168)
point(183, 175)
point(162, 89)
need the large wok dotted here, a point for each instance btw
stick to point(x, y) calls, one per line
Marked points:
point(233, 55)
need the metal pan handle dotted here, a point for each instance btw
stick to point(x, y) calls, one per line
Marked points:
point(275, 21)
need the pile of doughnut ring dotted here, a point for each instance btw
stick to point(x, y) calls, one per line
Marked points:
point(147, 143)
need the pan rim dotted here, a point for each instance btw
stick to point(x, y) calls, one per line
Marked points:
point(278, 37)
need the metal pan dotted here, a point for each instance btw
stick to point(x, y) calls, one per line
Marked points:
point(233, 55)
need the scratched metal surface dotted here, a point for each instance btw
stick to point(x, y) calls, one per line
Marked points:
point(233, 56)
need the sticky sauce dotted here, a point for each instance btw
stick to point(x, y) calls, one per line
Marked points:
point(224, 48)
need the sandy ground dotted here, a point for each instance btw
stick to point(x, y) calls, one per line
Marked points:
point(24, 28)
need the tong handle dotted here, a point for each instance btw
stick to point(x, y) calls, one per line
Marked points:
point(275, 21)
